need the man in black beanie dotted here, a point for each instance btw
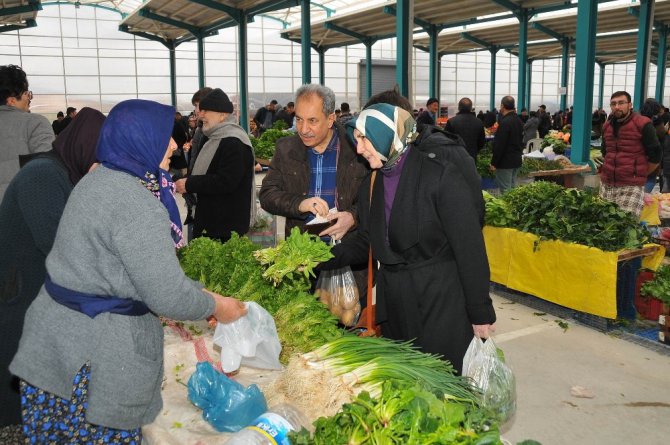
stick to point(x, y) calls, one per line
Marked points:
point(222, 178)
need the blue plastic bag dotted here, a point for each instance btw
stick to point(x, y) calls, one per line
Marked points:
point(226, 405)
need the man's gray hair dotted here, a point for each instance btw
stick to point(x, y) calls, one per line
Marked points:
point(325, 93)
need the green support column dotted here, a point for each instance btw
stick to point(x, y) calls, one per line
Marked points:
point(173, 72)
point(433, 87)
point(645, 25)
point(587, 19)
point(438, 73)
point(601, 85)
point(660, 63)
point(523, 56)
point(565, 58)
point(403, 23)
point(322, 65)
point(368, 70)
point(243, 92)
point(306, 41)
point(529, 77)
point(201, 61)
point(492, 91)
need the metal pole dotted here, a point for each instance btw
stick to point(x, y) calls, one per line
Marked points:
point(432, 73)
point(306, 40)
point(645, 25)
point(492, 89)
point(368, 71)
point(601, 85)
point(243, 94)
point(173, 72)
point(523, 55)
point(201, 61)
point(660, 63)
point(564, 71)
point(322, 66)
point(404, 21)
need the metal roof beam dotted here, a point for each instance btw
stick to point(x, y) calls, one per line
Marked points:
point(144, 35)
point(476, 21)
point(30, 23)
point(14, 10)
point(507, 4)
point(272, 6)
point(233, 12)
point(148, 14)
point(635, 12)
point(548, 31)
point(390, 10)
point(477, 40)
point(363, 38)
point(225, 23)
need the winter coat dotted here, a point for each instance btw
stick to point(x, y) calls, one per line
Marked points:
point(530, 130)
point(471, 129)
point(21, 133)
point(433, 283)
point(286, 183)
point(507, 144)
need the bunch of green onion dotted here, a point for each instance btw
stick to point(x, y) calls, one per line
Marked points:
point(370, 361)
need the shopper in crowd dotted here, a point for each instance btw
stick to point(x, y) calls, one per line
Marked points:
point(222, 178)
point(70, 113)
point(654, 111)
point(429, 115)
point(55, 125)
point(545, 121)
point(507, 146)
point(316, 170)
point(192, 148)
point(524, 115)
point(21, 132)
point(632, 152)
point(265, 116)
point(467, 126)
point(530, 128)
point(91, 354)
point(440, 264)
point(346, 115)
point(29, 215)
point(286, 114)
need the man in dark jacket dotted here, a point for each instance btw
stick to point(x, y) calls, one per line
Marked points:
point(55, 125)
point(507, 147)
point(315, 170)
point(429, 115)
point(223, 173)
point(545, 121)
point(467, 126)
point(265, 116)
point(286, 114)
point(70, 113)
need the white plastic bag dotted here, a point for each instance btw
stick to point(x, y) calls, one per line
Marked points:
point(484, 363)
point(251, 340)
point(337, 289)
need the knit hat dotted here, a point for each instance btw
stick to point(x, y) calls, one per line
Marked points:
point(218, 101)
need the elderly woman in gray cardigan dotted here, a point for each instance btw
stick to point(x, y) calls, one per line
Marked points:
point(91, 356)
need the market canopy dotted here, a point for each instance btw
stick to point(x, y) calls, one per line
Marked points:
point(18, 14)
point(616, 40)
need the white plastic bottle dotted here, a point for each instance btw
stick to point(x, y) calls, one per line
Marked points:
point(271, 428)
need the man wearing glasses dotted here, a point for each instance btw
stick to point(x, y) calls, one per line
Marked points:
point(21, 132)
point(631, 150)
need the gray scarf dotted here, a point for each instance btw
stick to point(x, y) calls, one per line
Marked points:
point(227, 129)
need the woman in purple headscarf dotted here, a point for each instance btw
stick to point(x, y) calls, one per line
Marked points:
point(29, 216)
point(91, 356)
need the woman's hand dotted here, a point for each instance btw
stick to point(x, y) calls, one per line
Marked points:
point(227, 309)
point(314, 205)
point(180, 185)
point(483, 331)
point(345, 221)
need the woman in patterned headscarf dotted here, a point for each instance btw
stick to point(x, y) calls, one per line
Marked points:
point(424, 227)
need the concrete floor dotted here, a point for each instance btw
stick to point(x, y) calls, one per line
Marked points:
point(630, 383)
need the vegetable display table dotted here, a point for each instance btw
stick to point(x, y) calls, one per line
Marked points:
point(568, 174)
point(571, 275)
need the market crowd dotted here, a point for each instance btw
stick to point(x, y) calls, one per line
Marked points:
point(91, 227)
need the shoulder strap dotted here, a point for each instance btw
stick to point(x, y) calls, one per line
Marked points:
point(371, 328)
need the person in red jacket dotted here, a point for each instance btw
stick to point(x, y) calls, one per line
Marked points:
point(631, 150)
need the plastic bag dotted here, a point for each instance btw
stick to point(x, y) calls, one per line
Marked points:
point(226, 404)
point(251, 340)
point(484, 363)
point(337, 289)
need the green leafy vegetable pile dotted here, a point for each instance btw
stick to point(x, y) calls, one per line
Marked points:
point(298, 255)
point(403, 414)
point(659, 287)
point(264, 146)
point(552, 212)
point(530, 165)
point(303, 323)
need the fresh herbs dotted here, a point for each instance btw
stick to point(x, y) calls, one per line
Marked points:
point(659, 287)
point(264, 146)
point(403, 414)
point(552, 212)
point(370, 361)
point(231, 269)
point(295, 256)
